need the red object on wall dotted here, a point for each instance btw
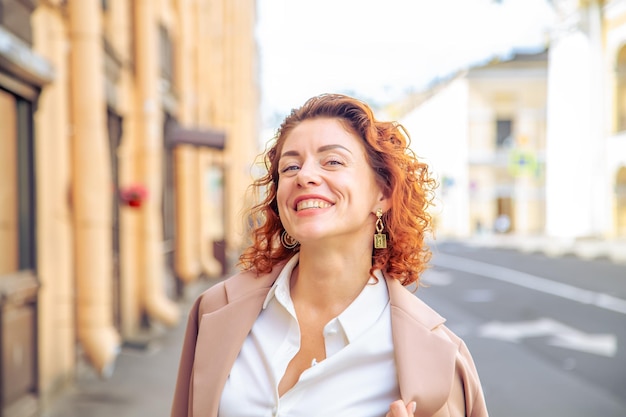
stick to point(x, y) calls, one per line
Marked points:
point(133, 195)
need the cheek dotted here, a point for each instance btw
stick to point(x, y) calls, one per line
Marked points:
point(365, 179)
point(281, 195)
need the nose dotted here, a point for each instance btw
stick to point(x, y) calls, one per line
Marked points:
point(307, 175)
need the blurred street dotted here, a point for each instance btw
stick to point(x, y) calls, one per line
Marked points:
point(547, 335)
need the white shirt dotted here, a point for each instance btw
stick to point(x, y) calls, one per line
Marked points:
point(357, 379)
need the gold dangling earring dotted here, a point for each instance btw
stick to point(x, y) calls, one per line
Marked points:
point(380, 240)
point(288, 241)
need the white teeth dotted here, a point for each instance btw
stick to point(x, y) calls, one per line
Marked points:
point(308, 204)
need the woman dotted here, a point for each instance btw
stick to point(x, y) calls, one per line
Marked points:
point(319, 323)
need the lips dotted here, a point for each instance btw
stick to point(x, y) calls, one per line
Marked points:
point(312, 203)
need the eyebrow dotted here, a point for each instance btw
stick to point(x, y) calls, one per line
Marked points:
point(324, 148)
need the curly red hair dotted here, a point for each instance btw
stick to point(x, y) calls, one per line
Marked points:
point(404, 179)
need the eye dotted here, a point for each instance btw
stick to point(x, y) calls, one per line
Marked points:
point(333, 161)
point(289, 168)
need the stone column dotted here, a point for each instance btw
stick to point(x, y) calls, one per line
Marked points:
point(91, 187)
point(149, 158)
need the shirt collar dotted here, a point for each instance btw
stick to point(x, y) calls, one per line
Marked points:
point(281, 287)
point(360, 315)
point(366, 309)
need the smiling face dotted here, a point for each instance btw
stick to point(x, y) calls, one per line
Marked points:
point(327, 191)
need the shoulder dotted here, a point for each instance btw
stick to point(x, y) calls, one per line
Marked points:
point(441, 352)
point(421, 314)
point(416, 313)
point(406, 302)
point(234, 287)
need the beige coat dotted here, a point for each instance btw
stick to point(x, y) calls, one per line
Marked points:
point(434, 366)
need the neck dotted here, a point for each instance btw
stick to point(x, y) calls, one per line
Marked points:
point(330, 280)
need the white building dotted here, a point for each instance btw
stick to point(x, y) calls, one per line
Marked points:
point(539, 139)
point(483, 134)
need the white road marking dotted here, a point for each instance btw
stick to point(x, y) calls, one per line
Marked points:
point(560, 334)
point(523, 279)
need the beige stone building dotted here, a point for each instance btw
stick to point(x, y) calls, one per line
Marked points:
point(483, 133)
point(507, 140)
point(127, 132)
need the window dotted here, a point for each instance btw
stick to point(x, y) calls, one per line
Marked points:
point(166, 55)
point(17, 191)
point(504, 130)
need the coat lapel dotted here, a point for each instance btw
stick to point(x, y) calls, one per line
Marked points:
point(425, 360)
point(221, 335)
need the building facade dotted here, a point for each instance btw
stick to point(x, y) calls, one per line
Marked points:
point(585, 134)
point(483, 133)
point(539, 143)
point(615, 64)
point(127, 133)
point(507, 141)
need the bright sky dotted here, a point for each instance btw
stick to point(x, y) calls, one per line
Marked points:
point(377, 49)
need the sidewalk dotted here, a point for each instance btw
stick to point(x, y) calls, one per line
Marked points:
point(143, 380)
point(591, 248)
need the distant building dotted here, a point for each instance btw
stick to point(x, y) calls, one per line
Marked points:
point(538, 138)
point(586, 121)
point(483, 133)
point(127, 133)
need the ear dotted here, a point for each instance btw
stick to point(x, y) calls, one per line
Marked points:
point(383, 203)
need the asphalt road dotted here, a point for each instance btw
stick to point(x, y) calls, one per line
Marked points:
point(548, 335)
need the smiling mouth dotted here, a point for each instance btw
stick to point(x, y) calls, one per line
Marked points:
point(312, 204)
